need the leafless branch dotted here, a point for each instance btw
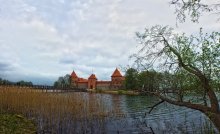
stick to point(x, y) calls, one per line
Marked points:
point(155, 106)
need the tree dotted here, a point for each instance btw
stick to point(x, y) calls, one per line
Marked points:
point(59, 83)
point(131, 81)
point(196, 57)
point(56, 84)
point(1, 81)
point(67, 80)
point(24, 83)
point(63, 82)
point(143, 79)
point(194, 8)
point(149, 80)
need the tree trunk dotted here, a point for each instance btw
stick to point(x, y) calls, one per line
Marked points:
point(215, 118)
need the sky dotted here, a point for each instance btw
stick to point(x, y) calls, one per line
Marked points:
point(41, 40)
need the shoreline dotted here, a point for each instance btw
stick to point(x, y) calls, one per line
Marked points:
point(104, 91)
point(116, 92)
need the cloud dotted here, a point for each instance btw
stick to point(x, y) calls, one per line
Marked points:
point(42, 40)
point(5, 67)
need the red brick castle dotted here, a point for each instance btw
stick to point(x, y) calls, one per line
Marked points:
point(93, 83)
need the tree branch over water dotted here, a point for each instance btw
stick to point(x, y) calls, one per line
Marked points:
point(196, 59)
point(152, 108)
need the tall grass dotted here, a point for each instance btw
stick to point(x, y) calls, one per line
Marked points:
point(78, 113)
point(56, 112)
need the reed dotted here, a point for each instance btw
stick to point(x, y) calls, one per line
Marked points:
point(56, 112)
point(82, 113)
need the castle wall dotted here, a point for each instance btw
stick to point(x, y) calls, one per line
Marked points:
point(92, 83)
point(103, 85)
point(83, 85)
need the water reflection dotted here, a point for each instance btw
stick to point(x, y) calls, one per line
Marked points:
point(127, 115)
point(165, 118)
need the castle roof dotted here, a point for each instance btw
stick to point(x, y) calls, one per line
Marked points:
point(82, 80)
point(92, 76)
point(73, 75)
point(116, 73)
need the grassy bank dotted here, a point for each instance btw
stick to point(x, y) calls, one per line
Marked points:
point(16, 124)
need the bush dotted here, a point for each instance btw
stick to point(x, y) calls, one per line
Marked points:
point(99, 90)
point(120, 92)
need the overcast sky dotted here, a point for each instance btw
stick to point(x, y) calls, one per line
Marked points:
point(41, 40)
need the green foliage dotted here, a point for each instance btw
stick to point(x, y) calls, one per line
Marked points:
point(23, 83)
point(131, 79)
point(120, 92)
point(19, 83)
point(151, 80)
point(148, 80)
point(63, 82)
point(5, 82)
point(99, 90)
point(16, 124)
point(181, 55)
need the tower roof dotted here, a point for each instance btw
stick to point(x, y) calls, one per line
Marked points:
point(92, 76)
point(116, 73)
point(73, 75)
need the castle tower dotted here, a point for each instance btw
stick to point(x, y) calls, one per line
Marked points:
point(117, 79)
point(92, 82)
point(74, 79)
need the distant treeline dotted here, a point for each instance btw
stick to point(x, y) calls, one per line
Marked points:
point(152, 80)
point(19, 83)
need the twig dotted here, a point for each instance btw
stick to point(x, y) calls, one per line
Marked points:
point(155, 106)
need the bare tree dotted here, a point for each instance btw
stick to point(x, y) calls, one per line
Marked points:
point(197, 57)
point(194, 8)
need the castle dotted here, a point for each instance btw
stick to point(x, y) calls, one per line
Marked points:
point(93, 83)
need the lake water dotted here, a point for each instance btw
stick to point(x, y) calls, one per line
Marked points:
point(131, 117)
